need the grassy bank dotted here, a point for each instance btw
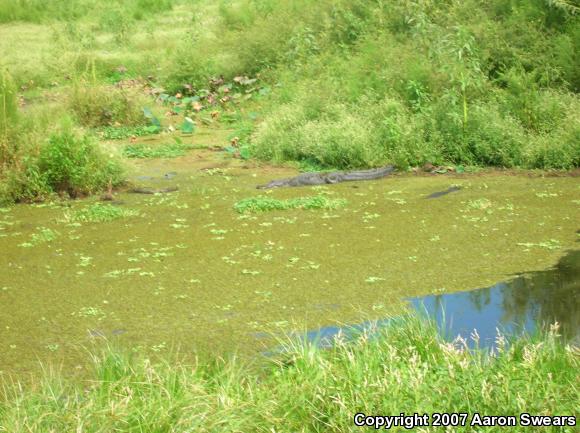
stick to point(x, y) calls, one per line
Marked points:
point(325, 83)
point(408, 369)
point(415, 81)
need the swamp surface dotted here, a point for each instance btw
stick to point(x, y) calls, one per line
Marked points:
point(184, 271)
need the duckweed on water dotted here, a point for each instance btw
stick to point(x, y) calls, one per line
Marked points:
point(264, 204)
point(132, 259)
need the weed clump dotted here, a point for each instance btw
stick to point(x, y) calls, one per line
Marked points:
point(171, 150)
point(66, 163)
point(42, 235)
point(121, 132)
point(265, 204)
point(99, 213)
point(8, 119)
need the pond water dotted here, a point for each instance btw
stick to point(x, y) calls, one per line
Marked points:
point(185, 271)
point(525, 304)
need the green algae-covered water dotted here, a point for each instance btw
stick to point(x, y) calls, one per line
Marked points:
point(185, 271)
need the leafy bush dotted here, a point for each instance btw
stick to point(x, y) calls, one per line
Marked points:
point(32, 167)
point(76, 165)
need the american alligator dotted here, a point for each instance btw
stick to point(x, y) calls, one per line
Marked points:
point(141, 190)
point(334, 177)
point(438, 194)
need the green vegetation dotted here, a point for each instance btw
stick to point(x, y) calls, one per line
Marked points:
point(122, 132)
point(408, 369)
point(39, 10)
point(33, 167)
point(264, 204)
point(76, 165)
point(100, 105)
point(326, 83)
point(410, 82)
point(41, 236)
point(170, 150)
point(321, 84)
point(99, 212)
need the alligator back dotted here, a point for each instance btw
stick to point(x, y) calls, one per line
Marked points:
point(306, 179)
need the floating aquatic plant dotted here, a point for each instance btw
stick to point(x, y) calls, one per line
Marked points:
point(99, 213)
point(264, 204)
point(170, 150)
point(42, 235)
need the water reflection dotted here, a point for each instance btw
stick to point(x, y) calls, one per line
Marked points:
point(526, 303)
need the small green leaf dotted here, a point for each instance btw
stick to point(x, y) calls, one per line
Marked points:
point(188, 126)
point(245, 152)
point(152, 129)
point(147, 113)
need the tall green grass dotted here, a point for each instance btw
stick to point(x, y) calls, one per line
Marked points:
point(407, 369)
point(96, 105)
point(8, 117)
point(42, 10)
point(463, 83)
point(361, 83)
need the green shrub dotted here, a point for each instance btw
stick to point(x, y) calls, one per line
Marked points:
point(76, 165)
point(561, 151)
point(121, 24)
point(65, 163)
point(445, 82)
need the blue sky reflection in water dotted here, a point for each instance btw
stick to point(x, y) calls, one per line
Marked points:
point(524, 304)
